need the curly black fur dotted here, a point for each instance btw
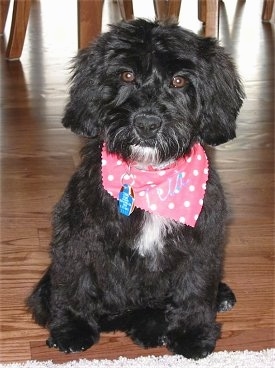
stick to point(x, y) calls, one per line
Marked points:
point(98, 279)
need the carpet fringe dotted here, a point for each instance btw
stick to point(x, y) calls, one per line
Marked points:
point(238, 359)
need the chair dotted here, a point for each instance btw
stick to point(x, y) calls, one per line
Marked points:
point(87, 10)
point(87, 30)
point(20, 18)
point(267, 10)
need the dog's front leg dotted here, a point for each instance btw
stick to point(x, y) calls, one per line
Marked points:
point(192, 330)
point(70, 333)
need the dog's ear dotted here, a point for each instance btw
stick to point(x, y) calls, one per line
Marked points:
point(81, 112)
point(221, 94)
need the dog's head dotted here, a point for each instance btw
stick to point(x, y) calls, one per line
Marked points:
point(151, 90)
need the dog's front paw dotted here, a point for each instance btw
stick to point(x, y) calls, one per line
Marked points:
point(72, 339)
point(225, 298)
point(148, 328)
point(146, 339)
point(193, 344)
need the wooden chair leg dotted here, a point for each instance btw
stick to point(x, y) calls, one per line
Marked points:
point(20, 18)
point(89, 21)
point(161, 9)
point(174, 8)
point(208, 13)
point(212, 18)
point(126, 9)
point(4, 8)
point(165, 9)
point(202, 11)
point(267, 10)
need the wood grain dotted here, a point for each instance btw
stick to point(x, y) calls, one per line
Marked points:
point(21, 11)
point(87, 29)
point(38, 156)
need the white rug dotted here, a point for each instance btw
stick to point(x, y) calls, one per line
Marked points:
point(239, 359)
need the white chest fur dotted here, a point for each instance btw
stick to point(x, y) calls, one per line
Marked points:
point(152, 235)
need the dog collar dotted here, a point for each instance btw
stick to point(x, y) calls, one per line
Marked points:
point(175, 192)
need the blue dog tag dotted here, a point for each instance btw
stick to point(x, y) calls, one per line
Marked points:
point(126, 200)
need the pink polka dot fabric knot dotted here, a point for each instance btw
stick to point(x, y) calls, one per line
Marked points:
point(176, 192)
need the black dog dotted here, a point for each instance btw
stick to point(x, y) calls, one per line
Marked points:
point(138, 236)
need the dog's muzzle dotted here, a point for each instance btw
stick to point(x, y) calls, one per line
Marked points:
point(147, 125)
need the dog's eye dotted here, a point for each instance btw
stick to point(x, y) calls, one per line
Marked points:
point(178, 81)
point(128, 77)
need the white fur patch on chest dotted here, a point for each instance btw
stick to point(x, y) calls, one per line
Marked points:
point(152, 235)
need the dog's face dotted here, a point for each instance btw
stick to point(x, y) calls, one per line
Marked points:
point(149, 91)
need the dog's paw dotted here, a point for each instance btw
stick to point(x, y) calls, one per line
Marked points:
point(194, 344)
point(72, 339)
point(147, 340)
point(148, 328)
point(225, 298)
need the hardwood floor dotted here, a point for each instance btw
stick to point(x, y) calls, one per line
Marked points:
point(38, 156)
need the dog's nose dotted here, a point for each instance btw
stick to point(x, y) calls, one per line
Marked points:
point(147, 125)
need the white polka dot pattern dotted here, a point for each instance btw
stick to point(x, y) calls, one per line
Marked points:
point(175, 192)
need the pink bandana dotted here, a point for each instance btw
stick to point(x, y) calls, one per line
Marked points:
point(175, 192)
